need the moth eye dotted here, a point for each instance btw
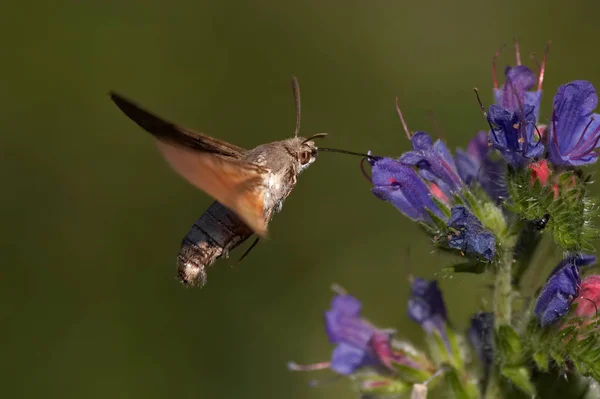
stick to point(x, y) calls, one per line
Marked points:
point(304, 157)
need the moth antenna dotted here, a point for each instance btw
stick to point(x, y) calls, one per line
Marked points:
point(517, 52)
point(402, 120)
point(296, 91)
point(250, 248)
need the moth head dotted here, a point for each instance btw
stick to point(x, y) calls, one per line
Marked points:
point(307, 151)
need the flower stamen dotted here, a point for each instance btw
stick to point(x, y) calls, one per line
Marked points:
point(517, 52)
point(494, 59)
point(543, 67)
point(293, 366)
point(402, 120)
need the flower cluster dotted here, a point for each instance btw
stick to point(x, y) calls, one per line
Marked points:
point(493, 204)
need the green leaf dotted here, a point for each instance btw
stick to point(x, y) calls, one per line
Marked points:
point(455, 349)
point(380, 385)
point(411, 375)
point(442, 206)
point(541, 360)
point(437, 221)
point(460, 389)
point(519, 376)
point(508, 343)
point(438, 346)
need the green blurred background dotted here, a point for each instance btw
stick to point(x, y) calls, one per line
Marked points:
point(92, 218)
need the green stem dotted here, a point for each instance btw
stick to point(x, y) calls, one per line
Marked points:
point(502, 309)
point(502, 289)
point(493, 390)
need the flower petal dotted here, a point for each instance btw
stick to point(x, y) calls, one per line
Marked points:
point(399, 184)
point(558, 293)
point(575, 132)
point(346, 359)
point(471, 236)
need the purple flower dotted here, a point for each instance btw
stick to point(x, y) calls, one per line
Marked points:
point(516, 90)
point(514, 134)
point(471, 237)
point(575, 131)
point(561, 289)
point(359, 344)
point(434, 162)
point(426, 306)
point(475, 166)
point(518, 83)
point(400, 185)
point(481, 336)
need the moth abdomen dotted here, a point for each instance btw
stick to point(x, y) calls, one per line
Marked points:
point(217, 232)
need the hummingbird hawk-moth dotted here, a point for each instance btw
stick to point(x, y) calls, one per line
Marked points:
point(249, 186)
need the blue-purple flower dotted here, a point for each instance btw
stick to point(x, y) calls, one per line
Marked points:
point(475, 166)
point(397, 182)
point(575, 131)
point(561, 289)
point(426, 306)
point(359, 343)
point(514, 134)
point(516, 90)
point(481, 336)
point(434, 162)
point(400, 185)
point(470, 237)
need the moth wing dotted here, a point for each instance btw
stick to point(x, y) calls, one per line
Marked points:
point(169, 132)
point(236, 184)
point(214, 166)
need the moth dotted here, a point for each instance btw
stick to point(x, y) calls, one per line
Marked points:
point(249, 186)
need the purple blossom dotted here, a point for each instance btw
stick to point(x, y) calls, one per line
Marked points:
point(475, 166)
point(359, 344)
point(514, 134)
point(434, 162)
point(580, 259)
point(561, 289)
point(471, 237)
point(481, 336)
point(516, 90)
point(575, 130)
point(400, 185)
point(426, 306)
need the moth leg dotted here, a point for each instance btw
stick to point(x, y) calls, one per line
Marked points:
point(250, 248)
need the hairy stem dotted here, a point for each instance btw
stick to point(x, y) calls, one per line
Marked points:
point(502, 309)
point(502, 289)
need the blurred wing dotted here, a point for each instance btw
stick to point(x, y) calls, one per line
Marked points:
point(178, 135)
point(211, 165)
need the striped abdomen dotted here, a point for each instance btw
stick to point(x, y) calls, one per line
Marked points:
point(217, 232)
